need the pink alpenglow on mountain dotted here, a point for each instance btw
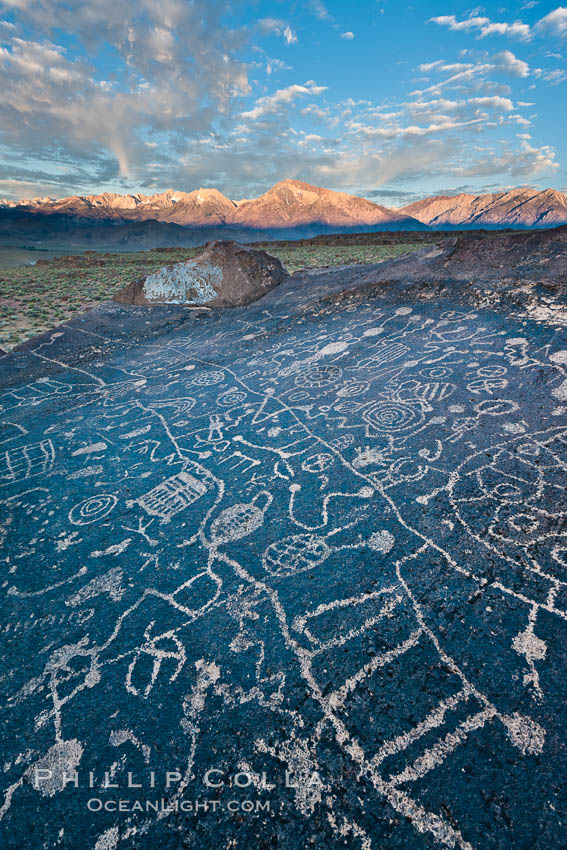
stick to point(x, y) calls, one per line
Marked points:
point(515, 208)
point(288, 204)
point(200, 207)
point(291, 209)
point(292, 203)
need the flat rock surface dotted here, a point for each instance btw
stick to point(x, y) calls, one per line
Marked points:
point(321, 538)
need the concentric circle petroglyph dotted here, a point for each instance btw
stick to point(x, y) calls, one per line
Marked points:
point(393, 416)
point(92, 509)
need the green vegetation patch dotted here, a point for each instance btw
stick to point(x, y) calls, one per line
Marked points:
point(305, 256)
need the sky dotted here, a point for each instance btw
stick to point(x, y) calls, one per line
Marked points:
point(389, 100)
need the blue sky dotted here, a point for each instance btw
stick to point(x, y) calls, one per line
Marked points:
point(389, 100)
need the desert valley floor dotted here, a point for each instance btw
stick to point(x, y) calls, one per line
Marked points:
point(321, 537)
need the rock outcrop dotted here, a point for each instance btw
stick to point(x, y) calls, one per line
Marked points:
point(538, 257)
point(226, 274)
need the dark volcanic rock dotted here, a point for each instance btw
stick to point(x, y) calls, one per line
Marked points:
point(536, 256)
point(522, 273)
point(226, 274)
point(315, 545)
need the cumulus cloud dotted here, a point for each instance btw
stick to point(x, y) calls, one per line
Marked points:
point(348, 35)
point(554, 24)
point(495, 102)
point(510, 64)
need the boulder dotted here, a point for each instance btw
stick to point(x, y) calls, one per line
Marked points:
point(226, 274)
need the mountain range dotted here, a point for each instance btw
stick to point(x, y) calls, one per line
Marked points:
point(291, 209)
point(517, 208)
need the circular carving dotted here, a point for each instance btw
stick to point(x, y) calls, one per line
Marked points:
point(208, 379)
point(393, 416)
point(92, 509)
point(318, 376)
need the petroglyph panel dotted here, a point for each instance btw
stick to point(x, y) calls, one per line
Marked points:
point(318, 538)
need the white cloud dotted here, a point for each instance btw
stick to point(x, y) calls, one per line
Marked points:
point(172, 59)
point(510, 64)
point(426, 67)
point(271, 25)
point(415, 130)
point(276, 26)
point(553, 24)
point(483, 26)
point(469, 73)
point(528, 161)
point(315, 111)
point(503, 104)
point(173, 114)
point(289, 35)
point(273, 65)
point(437, 116)
point(348, 35)
point(554, 77)
point(378, 168)
point(273, 102)
point(319, 10)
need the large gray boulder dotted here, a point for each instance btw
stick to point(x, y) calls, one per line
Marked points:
point(226, 274)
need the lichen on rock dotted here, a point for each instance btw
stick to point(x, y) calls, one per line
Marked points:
point(226, 274)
